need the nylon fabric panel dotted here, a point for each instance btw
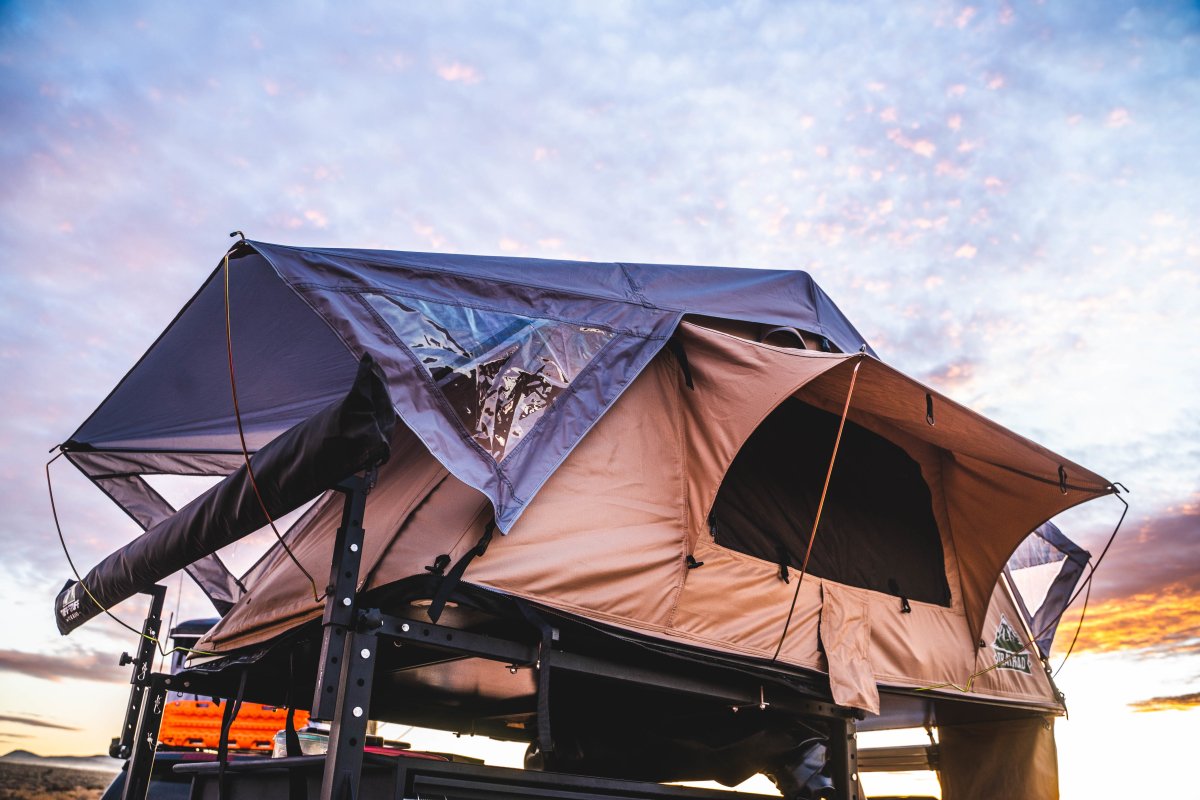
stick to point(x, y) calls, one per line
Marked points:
point(789, 298)
point(1046, 550)
point(279, 596)
point(900, 401)
point(737, 384)
point(990, 511)
point(736, 599)
point(449, 520)
point(288, 364)
point(608, 532)
point(845, 632)
point(776, 297)
point(97, 464)
point(1021, 674)
point(137, 499)
point(527, 465)
point(999, 760)
point(927, 646)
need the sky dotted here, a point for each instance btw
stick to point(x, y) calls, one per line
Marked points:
point(1003, 198)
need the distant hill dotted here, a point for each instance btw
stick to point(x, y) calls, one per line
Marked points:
point(98, 763)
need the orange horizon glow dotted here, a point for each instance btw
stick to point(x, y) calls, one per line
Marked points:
point(1156, 623)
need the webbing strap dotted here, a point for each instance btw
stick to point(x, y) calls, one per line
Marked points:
point(232, 707)
point(451, 580)
point(297, 783)
point(548, 633)
point(783, 559)
point(676, 348)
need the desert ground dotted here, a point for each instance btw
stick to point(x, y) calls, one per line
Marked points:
point(40, 782)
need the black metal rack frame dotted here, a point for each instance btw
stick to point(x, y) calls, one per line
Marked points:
point(351, 637)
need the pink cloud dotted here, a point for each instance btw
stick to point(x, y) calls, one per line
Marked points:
point(1119, 118)
point(964, 18)
point(458, 72)
point(967, 251)
point(922, 147)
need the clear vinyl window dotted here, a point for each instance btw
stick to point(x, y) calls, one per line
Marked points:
point(499, 372)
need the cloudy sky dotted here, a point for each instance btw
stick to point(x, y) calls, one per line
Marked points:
point(1002, 197)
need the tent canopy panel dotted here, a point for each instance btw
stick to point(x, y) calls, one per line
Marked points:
point(287, 363)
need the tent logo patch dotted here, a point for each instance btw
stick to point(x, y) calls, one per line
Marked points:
point(1007, 647)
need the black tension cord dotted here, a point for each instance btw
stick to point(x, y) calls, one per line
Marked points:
point(1087, 584)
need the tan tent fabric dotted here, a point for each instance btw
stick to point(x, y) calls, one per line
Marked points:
point(999, 760)
point(1006, 670)
point(846, 641)
point(608, 535)
point(279, 596)
point(736, 597)
point(998, 485)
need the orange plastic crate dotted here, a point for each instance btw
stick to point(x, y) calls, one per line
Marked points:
point(196, 724)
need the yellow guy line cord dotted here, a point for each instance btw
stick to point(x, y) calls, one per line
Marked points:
point(820, 507)
point(242, 436)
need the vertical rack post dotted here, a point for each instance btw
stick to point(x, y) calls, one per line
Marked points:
point(340, 595)
point(147, 697)
point(843, 758)
point(347, 662)
point(348, 733)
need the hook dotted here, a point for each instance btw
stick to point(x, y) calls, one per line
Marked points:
point(238, 233)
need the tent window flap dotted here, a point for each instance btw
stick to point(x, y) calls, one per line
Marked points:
point(877, 529)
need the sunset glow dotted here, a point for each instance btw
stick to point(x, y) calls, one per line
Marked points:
point(1003, 198)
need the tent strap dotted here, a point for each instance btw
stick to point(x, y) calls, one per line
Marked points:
point(452, 579)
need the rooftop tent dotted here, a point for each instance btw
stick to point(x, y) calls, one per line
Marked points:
point(608, 536)
point(655, 440)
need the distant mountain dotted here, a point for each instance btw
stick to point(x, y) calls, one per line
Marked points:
point(98, 763)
